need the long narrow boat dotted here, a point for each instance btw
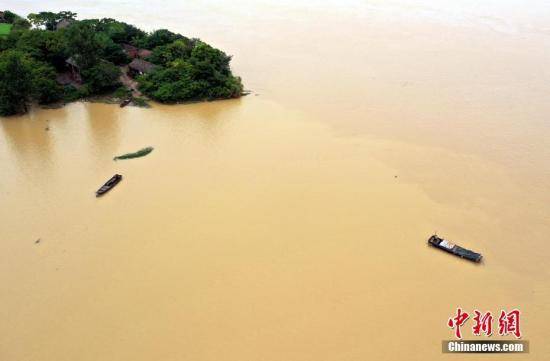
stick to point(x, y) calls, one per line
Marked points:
point(108, 185)
point(454, 249)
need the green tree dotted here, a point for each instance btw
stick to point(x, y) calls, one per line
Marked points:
point(69, 15)
point(171, 85)
point(45, 88)
point(102, 77)
point(10, 17)
point(158, 38)
point(46, 19)
point(48, 46)
point(118, 31)
point(204, 75)
point(17, 21)
point(211, 66)
point(83, 44)
point(21, 24)
point(209, 63)
point(111, 51)
point(15, 82)
point(49, 20)
point(10, 41)
point(177, 50)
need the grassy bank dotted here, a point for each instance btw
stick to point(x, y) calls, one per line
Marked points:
point(5, 29)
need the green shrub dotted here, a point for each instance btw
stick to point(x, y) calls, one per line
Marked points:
point(140, 102)
point(71, 94)
point(122, 92)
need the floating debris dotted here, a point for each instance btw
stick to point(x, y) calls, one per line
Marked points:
point(37, 241)
point(110, 184)
point(140, 153)
point(454, 249)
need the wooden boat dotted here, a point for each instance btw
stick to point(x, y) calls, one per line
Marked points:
point(125, 102)
point(110, 184)
point(454, 249)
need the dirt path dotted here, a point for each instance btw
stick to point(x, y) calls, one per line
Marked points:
point(129, 82)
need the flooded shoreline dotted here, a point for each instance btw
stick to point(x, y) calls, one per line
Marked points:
point(292, 224)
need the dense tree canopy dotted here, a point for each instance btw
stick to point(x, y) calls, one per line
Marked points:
point(17, 21)
point(50, 20)
point(120, 32)
point(178, 49)
point(15, 82)
point(45, 46)
point(102, 76)
point(35, 60)
point(83, 44)
point(157, 38)
point(190, 72)
point(45, 87)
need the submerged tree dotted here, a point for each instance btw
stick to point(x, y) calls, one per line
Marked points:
point(203, 74)
point(23, 79)
point(45, 88)
point(15, 82)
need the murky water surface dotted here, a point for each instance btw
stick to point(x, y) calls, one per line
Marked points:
point(290, 224)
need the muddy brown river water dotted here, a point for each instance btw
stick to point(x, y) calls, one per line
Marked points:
point(290, 224)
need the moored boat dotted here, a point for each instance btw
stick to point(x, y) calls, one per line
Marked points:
point(454, 249)
point(125, 102)
point(108, 185)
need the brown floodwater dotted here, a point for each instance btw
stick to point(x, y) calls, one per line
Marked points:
point(290, 224)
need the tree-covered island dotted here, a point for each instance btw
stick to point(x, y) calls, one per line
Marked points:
point(54, 58)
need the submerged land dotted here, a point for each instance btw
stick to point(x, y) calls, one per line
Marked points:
point(53, 57)
point(137, 154)
point(274, 227)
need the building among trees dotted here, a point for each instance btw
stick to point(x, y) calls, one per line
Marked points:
point(140, 67)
